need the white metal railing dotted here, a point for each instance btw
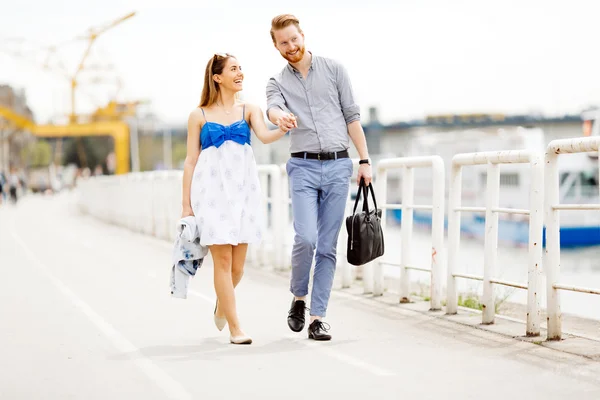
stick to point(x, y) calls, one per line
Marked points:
point(552, 217)
point(492, 209)
point(286, 204)
point(371, 273)
point(408, 164)
point(270, 177)
point(150, 203)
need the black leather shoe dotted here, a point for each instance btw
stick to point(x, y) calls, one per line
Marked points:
point(296, 315)
point(317, 330)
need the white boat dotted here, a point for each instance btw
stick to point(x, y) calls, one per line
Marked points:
point(578, 183)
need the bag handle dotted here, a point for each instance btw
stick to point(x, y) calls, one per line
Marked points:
point(365, 189)
point(360, 188)
point(372, 195)
point(365, 196)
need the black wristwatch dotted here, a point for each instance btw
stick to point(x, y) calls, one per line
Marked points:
point(365, 161)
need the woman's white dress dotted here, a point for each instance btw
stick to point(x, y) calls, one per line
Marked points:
point(225, 192)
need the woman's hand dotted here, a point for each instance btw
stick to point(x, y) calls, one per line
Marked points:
point(287, 122)
point(257, 124)
point(187, 212)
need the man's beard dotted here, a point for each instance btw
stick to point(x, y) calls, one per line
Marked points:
point(297, 57)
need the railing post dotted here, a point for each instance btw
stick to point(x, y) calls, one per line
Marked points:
point(536, 227)
point(381, 186)
point(367, 277)
point(176, 182)
point(262, 250)
point(276, 218)
point(491, 242)
point(437, 233)
point(368, 270)
point(552, 254)
point(285, 217)
point(453, 236)
point(342, 260)
point(406, 232)
point(367, 273)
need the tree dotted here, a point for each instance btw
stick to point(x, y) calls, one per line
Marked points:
point(88, 151)
point(37, 154)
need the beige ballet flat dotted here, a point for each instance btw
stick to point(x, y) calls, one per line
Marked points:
point(240, 339)
point(220, 322)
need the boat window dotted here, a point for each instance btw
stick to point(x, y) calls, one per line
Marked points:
point(509, 179)
point(483, 179)
point(589, 183)
point(569, 183)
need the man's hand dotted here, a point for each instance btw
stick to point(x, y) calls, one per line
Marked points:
point(187, 212)
point(364, 171)
point(287, 122)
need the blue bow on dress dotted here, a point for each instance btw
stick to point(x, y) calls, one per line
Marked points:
point(215, 134)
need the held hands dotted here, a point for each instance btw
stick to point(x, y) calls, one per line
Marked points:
point(287, 122)
point(364, 171)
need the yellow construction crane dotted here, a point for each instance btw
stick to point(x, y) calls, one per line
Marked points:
point(47, 58)
point(118, 130)
point(11, 46)
point(107, 119)
point(30, 52)
point(91, 36)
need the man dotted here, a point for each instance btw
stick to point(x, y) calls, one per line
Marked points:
point(317, 91)
point(2, 183)
point(14, 183)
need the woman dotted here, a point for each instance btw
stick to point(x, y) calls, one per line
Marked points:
point(220, 180)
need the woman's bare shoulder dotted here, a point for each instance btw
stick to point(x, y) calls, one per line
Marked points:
point(196, 114)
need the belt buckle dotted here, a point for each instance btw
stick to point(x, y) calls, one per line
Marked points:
point(319, 156)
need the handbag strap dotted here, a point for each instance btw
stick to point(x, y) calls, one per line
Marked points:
point(360, 188)
point(365, 196)
point(372, 195)
point(365, 189)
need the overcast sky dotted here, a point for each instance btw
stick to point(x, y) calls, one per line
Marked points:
point(408, 58)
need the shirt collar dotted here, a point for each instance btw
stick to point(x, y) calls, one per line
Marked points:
point(312, 63)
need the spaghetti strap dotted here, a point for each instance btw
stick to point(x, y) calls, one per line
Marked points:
point(201, 109)
point(244, 112)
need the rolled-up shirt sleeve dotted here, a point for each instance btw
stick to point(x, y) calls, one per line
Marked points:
point(275, 97)
point(350, 109)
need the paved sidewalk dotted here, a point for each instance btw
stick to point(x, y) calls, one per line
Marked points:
point(86, 314)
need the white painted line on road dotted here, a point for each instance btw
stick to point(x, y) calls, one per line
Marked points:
point(355, 362)
point(322, 347)
point(173, 389)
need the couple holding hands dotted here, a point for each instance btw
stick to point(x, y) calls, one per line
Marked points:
point(312, 99)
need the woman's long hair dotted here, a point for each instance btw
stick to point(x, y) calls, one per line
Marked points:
point(210, 91)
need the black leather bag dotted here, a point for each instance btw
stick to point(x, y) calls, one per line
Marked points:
point(365, 235)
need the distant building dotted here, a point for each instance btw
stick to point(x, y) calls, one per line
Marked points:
point(396, 137)
point(15, 100)
point(394, 140)
point(12, 140)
